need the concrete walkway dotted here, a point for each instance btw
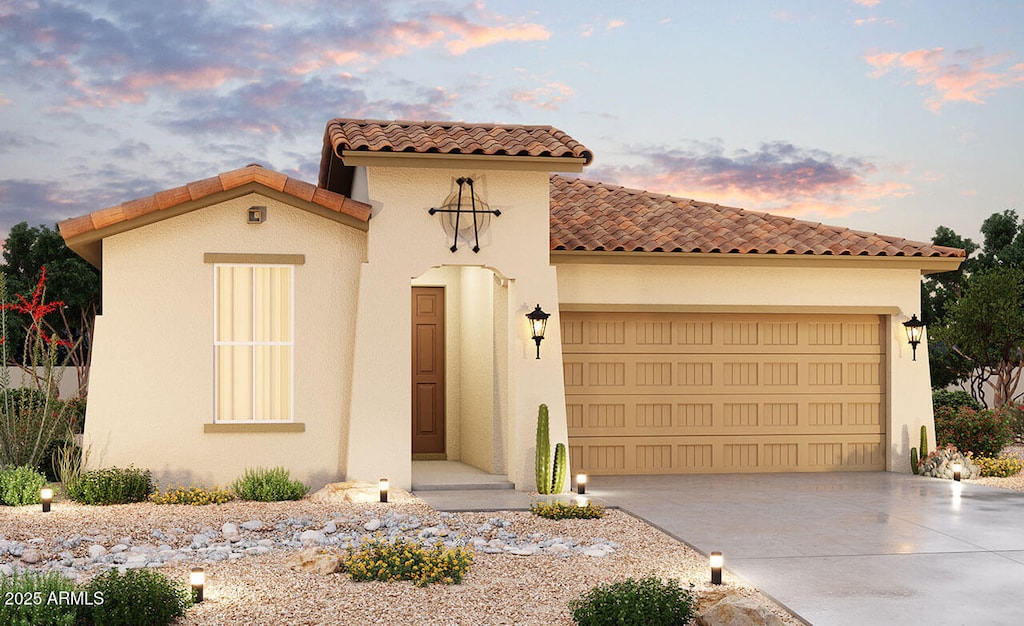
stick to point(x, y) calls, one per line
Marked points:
point(837, 549)
point(849, 549)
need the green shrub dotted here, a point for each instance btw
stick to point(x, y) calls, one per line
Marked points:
point(113, 485)
point(955, 399)
point(138, 596)
point(37, 599)
point(984, 433)
point(1015, 413)
point(1001, 467)
point(193, 495)
point(20, 485)
point(645, 602)
point(383, 560)
point(268, 485)
point(565, 510)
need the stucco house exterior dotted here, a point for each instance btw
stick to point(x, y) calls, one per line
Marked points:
point(344, 329)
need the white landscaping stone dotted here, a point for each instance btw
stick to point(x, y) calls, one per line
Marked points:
point(96, 551)
point(253, 525)
point(372, 525)
point(31, 556)
point(230, 532)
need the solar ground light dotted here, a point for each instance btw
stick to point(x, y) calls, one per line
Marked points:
point(957, 469)
point(46, 496)
point(197, 577)
point(382, 484)
point(581, 484)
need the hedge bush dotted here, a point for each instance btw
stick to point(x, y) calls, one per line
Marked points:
point(138, 596)
point(20, 485)
point(26, 600)
point(113, 485)
point(268, 485)
point(645, 602)
point(955, 399)
point(984, 433)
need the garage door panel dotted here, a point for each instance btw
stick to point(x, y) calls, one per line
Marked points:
point(649, 415)
point(720, 373)
point(680, 333)
point(680, 393)
point(676, 455)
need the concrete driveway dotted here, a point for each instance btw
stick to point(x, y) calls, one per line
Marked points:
point(857, 549)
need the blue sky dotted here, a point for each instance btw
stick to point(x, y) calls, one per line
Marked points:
point(885, 116)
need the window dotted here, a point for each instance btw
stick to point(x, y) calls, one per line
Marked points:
point(253, 342)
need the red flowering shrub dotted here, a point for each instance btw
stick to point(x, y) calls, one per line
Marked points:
point(984, 433)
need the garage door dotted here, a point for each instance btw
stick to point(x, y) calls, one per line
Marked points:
point(671, 393)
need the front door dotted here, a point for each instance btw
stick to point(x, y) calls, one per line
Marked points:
point(428, 371)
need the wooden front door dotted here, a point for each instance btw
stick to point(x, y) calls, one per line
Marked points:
point(428, 370)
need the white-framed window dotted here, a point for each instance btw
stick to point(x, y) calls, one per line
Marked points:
point(253, 342)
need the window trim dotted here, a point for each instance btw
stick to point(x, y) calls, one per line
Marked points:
point(216, 333)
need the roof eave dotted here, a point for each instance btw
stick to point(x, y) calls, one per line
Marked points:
point(925, 264)
point(463, 161)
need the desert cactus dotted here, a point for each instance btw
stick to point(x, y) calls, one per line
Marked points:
point(543, 459)
point(924, 441)
point(558, 471)
point(914, 461)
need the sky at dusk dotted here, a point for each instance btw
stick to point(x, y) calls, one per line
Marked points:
point(880, 115)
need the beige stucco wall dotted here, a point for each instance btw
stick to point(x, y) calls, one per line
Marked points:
point(152, 371)
point(404, 241)
point(760, 286)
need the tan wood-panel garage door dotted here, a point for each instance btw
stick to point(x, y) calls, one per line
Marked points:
point(670, 393)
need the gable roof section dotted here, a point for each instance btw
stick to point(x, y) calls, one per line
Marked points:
point(84, 234)
point(346, 136)
point(589, 216)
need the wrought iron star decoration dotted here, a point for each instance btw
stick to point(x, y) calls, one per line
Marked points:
point(459, 211)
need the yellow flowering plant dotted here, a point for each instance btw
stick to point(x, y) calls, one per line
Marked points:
point(196, 496)
point(402, 559)
point(565, 510)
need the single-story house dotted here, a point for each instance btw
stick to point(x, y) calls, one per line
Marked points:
point(344, 329)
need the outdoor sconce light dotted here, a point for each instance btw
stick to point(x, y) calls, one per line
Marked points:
point(957, 469)
point(581, 484)
point(46, 495)
point(538, 324)
point(716, 568)
point(915, 328)
point(198, 579)
point(383, 485)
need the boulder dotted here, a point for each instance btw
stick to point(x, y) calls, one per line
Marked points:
point(314, 561)
point(735, 610)
point(360, 492)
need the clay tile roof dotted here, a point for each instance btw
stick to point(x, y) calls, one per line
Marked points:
point(200, 189)
point(452, 138)
point(591, 216)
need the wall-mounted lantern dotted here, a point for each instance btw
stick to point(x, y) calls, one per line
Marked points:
point(538, 324)
point(914, 328)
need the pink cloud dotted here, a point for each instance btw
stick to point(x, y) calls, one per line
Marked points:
point(963, 76)
point(136, 88)
point(4, 100)
point(470, 35)
point(613, 24)
point(547, 97)
point(777, 177)
point(868, 3)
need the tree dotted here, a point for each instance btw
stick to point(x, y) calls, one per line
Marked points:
point(70, 280)
point(985, 328)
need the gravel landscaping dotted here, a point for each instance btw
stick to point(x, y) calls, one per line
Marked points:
point(525, 569)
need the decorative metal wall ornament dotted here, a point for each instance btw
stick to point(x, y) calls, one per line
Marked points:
point(452, 212)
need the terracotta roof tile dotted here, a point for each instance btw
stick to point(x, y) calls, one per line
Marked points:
point(200, 189)
point(591, 216)
point(452, 138)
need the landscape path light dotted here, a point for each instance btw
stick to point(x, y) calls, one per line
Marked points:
point(383, 486)
point(581, 484)
point(716, 568)
point(957, 469)
point(46, 496)
point(197, 578)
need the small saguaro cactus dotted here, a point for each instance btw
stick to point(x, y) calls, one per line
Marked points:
point(924, 441)
point(914, 461)
point(550, 477)
point(558, 471)
point(543, 459)
point(915, 454)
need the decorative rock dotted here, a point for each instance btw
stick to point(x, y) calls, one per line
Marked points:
point(330, 527)
point(314, 561)
point(253, 525)
point(312, 536)
point(372, 525)
point(738, 611)
point(230, 532)
point(31, 556)
point(939, 464)
point(118, 548)
point(96, 551)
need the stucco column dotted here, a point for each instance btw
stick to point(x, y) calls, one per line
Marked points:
point(379, 435)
